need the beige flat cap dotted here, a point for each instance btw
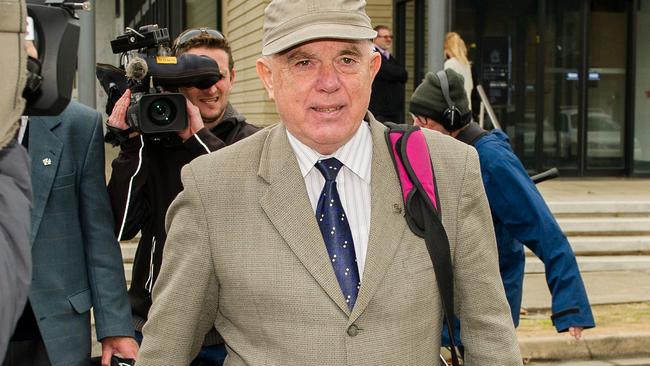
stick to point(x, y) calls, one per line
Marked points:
point(288, 23)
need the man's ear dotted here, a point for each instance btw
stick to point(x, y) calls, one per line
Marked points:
point(232, 75)
point(265, 74)
point(375, 63)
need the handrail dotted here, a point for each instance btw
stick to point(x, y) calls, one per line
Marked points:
point(487, 107)
point(545, 175)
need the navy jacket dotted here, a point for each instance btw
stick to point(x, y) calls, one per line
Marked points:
point(387, 98)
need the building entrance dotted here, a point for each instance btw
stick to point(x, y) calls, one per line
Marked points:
point(556, 72)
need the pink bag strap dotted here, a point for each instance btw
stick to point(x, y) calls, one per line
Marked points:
point(412, 161)
point(409, 142)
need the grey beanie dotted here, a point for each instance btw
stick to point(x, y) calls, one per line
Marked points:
point(428, 101)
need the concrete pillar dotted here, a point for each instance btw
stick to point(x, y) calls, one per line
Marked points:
point(438, 24)
point(86, 57)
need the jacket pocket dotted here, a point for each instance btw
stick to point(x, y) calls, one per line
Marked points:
point(64, 181)
point(81, 301)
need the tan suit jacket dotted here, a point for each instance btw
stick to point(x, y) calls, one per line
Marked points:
point(245, 253)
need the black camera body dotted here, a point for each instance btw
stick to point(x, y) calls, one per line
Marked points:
point(153, 75)
point(56, 38)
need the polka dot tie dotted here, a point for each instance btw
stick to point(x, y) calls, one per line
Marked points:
point(336, 232)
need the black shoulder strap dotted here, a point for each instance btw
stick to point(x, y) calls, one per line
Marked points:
point(425, 222)
point(471, 134)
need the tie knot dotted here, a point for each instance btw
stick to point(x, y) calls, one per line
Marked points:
point(329, 168)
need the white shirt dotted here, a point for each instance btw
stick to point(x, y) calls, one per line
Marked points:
point(352, 182)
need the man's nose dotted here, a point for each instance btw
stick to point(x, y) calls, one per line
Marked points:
point(328, 79)
point(212, 89)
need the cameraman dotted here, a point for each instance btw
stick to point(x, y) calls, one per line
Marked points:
point(146, 174)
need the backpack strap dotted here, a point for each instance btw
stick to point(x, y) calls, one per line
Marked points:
point(471, 134)
point(412, 161)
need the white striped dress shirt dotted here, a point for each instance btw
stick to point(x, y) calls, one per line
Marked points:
point(352, 182)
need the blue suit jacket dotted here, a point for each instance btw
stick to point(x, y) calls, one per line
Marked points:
point(77, 260)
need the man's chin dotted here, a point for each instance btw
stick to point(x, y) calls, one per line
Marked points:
point(211, 117)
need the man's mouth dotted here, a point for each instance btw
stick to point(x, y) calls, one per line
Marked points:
point(327, 109)
point(209, 100)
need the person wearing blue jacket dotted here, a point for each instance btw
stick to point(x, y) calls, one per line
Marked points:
point(521, 217)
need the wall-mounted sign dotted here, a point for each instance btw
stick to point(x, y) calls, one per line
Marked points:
point(496, 61)
point(574, 76)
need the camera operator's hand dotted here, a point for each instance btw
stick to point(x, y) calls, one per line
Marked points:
point(117, 118)
point(194, 122)
point(31, 49)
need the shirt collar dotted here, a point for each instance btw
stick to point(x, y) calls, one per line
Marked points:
point(356, 154)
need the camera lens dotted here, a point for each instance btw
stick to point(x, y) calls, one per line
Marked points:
point(162, 111)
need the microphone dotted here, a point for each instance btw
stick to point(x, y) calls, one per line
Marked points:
point(137, 69)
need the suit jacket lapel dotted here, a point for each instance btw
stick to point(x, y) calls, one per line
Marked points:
point(45, 150)
point(288, 208)
point(387, 223)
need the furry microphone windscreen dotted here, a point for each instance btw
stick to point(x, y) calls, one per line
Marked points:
point(137, 69)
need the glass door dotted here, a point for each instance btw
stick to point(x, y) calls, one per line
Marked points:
point(411, 44)
point(561, 85)
point(563, 97)
point(503, 50)
point(606, 86)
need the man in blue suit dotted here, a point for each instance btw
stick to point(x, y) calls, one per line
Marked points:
point(77, 262)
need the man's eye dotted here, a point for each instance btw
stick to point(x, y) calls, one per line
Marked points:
point(347, 60)
point(303, 63)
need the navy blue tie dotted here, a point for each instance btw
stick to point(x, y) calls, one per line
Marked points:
point(336, 232)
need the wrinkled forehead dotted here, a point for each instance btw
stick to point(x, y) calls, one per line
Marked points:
point(327, 47)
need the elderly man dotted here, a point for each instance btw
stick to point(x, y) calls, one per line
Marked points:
point(298, 265)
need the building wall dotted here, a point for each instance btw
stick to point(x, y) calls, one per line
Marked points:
point(200, 13)
point(642, 92)
point(380, 12)
point(243, 21)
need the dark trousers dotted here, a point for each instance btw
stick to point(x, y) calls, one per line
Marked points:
point(26, 353)
point(26, 347)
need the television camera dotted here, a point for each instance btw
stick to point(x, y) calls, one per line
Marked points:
point(154, 75)
point(56, 38)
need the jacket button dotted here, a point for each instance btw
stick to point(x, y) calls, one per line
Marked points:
point(353, 330)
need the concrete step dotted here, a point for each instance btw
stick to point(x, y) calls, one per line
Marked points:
point(592, 350)
point(603, 288)
point(599, 263)
point(622, 361)
point(599, 208)
point(608, 245)
point(583, 226)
